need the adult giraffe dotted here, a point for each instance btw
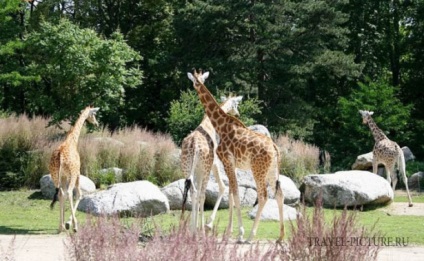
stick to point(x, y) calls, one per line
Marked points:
point(198, 158)
point(240, 147)
point(386, 152)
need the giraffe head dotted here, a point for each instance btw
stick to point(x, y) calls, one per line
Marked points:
point(198, 76)
point(91, 118)
point(230, 105)
point(366, 115)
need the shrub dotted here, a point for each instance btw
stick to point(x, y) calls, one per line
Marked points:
point(312, 238)
point(103, 239)
point(297, 158)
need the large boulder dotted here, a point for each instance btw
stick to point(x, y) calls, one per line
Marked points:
point(174, 193)
point(138, 198)
point(416, 181)
point(347, 188)
point(270, 211)
point(48, 189)
point(364, 161)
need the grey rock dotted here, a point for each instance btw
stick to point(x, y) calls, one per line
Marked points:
point(347, 188)
point(138, 198)
point(270, 211)
point(174, 193)
point(48, 189)
point(416, 181)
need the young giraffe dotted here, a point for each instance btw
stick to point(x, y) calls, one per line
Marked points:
point(240, 147)
point(386, 152)
point(65, 168)
point(198, 158)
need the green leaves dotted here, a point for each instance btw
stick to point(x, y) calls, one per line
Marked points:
point(79, 68)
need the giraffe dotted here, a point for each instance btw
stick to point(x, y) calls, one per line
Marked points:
point(198, 158)
point(240, 147)
point(65, 168)
point(386, 152)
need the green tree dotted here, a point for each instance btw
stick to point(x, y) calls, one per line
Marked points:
point(289, 54)
point(78, 68)
point(390, 114)
point(13, 77)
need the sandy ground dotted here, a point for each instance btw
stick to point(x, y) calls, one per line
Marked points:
point(51, 248)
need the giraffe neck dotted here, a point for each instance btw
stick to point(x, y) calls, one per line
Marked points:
point(376, 132)
point(216, 115)
point(75, 131)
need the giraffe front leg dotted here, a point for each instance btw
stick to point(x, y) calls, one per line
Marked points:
point(229, 231)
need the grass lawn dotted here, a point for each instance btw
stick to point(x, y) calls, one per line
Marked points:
point(26, 212)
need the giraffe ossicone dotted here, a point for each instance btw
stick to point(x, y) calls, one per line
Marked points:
point(242, 148)
point(386, 152)
point(65, 170)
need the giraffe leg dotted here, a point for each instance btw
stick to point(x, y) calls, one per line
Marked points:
point(389, 176)
point(240, 221)
point(62, 210)
point(221, 186)
point(194, 207)
point(78, 199)
point(374, 165)
point(394, 177)
point(262, 199)
point(230, 213)
point(401, 166)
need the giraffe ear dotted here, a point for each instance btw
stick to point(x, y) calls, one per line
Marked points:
point(239, 98)
point(94, 110)
point(205, 76)
point(191, 77)
point(371, 112)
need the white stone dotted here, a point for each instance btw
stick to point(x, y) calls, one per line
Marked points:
point(347, 188)
point(138, 198)
point(48, 189)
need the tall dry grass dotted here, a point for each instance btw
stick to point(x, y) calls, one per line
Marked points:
point(110, 239)
point(26, 145)
point(298, 158)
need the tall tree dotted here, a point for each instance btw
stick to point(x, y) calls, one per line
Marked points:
point(78, 68)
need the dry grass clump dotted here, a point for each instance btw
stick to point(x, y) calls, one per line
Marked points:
point(341, 238)
point(26, 146)
point(297, 158)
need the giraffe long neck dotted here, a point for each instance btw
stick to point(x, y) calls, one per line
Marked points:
point(216, 115)
point(376, 131)
point(75, 131)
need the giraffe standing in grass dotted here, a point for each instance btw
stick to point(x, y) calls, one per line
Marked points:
point(198, 158)
point(65, 169)
point(386, 152)
point(240, 147)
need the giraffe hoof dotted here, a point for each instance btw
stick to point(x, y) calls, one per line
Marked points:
point(240, 241)
point(411, 205)
point(75, 230)
point(67, 226)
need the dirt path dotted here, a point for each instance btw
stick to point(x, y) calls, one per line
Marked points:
point(51, 248)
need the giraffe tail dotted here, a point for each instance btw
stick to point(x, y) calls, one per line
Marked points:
point(189, 180)
point(56, 194)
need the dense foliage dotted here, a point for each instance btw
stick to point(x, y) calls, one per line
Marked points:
point(308, 64)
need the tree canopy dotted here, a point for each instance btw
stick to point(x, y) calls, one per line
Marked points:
point(309, 64)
